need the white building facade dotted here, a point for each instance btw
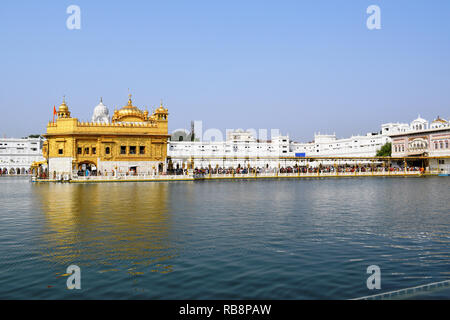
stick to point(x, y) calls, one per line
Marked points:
point(428, 140)
point(330, 146)
point(367, 145)
point(242, 149)
point(17, 154)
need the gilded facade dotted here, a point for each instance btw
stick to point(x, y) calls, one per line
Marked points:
point(132, 141)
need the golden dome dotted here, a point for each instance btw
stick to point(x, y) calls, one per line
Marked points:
point(63, 110)
point(440, 120)
point(129, 113)
point(161, 109)
point(161, 113)
point(63, 107)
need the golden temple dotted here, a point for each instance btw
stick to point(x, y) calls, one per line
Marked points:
point(133, 140)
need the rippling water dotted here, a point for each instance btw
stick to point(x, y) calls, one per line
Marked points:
point(267, 239)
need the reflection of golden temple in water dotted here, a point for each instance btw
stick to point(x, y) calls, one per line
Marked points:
point(109, 224)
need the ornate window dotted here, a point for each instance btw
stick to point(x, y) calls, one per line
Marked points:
point(418, 144)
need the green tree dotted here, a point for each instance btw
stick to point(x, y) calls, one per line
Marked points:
point(385, 150)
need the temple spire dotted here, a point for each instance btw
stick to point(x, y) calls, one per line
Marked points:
point(130, 103)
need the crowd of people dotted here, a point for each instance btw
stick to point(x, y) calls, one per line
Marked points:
point(306, 169)
point(105, 173)
point(12, 171)
point(326, 169)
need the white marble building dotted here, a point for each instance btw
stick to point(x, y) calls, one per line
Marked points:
point(241, 148)
point(17, 154)
point(362, 145)
point(425, 139)
point(330, 146)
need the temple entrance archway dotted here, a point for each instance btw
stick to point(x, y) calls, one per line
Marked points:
point(87, 168)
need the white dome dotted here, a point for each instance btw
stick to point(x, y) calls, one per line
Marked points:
point(419, 124)
point(420, 120)
point(101, 113)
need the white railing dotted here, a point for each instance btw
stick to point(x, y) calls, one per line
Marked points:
point(408, 292)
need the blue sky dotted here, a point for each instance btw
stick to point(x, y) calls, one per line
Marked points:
point(300, 66)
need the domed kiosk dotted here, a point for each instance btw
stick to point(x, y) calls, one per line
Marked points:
point(101, 113)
